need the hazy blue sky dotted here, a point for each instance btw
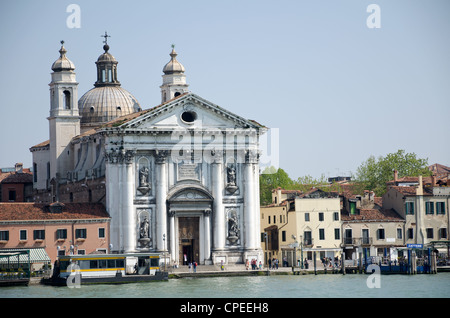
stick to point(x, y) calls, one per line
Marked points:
point(337, 90)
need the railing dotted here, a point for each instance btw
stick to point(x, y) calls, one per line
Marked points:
point(308, 242)
point(358, 241)
point(348, 241)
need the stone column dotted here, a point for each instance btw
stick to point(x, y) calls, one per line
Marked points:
point(127, 193)
point(172, 236)
point(207, 240)
point(218, 208)
point(251, 203)
point(113, 182)
point(160, 195)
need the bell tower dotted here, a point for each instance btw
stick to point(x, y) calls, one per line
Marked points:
point(174, 79)
point(64, 119)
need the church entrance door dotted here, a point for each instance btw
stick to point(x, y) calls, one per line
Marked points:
point(188, 233)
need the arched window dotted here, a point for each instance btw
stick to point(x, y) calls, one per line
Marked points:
point(66, 100)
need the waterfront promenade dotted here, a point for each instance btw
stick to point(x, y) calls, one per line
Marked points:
point(235, 270)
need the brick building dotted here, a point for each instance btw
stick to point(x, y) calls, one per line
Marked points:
point(16, 184)
point(62, 229)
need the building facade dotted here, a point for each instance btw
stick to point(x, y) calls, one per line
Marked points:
point(180, 178)
point(301, 226)
point(16, 184)
point(319, 223)
point(60, 229)
point(425, 209)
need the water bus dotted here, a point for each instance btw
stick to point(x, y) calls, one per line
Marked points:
point(107, 269)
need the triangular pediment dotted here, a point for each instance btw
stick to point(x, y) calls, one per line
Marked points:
point(188, 111)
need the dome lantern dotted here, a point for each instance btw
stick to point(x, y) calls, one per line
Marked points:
point(63, 63)
point(106, 67)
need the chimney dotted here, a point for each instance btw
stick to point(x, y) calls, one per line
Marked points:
point(395, 175)
point(433, 180)
point(19, 167)
point(419, 189)
point(372, 196)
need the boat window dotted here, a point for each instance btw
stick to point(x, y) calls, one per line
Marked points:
point(154, 262)
point(120, 263)
point(84, 264)
point(111, 263)
point(94, 264)
point(63, 265)
point(102, 263)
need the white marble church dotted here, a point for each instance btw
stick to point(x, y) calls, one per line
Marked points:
point(181, 178)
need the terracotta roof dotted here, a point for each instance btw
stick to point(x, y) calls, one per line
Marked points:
point(409, 190)
point(16, 177)
point(326, 194)
point(42, 144)
point(373, 215)
point(439, 169)
point(425, 180)
point(39, 211)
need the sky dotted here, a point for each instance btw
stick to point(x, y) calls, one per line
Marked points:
point(333, 88)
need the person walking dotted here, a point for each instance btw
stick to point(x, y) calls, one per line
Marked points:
point(195, 267)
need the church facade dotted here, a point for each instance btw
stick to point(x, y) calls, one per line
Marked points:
point(181, 178)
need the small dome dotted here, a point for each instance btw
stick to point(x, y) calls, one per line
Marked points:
point(102, 104)
point(63, 63)
point(173, 66)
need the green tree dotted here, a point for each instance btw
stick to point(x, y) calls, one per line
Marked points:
point(270, 179)
point(375, 172)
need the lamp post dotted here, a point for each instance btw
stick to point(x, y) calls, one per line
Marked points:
point(164, 244)
point(267, 248)
point(301, 250)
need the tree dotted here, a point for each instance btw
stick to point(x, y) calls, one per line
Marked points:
point(374, 173)
point(270, 179)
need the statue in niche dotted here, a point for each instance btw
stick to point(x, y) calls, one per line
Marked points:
point(233, 228)
point(231, 179)
point(144, 228)
point(143, 177)
point(144, 185)
point(144, 237)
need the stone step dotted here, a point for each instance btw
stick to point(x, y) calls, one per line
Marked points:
point(208, 268)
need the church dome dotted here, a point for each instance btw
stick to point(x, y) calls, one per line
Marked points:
point(105, 103)
point(173, 66)
point(63, 63)
point(107, 100)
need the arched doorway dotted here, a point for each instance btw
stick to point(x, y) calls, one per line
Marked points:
point(190, 224)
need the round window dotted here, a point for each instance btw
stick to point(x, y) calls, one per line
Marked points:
point(189, 116)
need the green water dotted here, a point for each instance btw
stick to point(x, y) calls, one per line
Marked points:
point(287, 286)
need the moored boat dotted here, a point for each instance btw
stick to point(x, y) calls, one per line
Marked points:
point(74, 270)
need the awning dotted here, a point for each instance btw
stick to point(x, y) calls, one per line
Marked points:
point(37, 255)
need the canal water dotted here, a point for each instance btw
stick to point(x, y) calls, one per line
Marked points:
point(275, 286)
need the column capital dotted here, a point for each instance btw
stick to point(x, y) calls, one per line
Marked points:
point(161, 156)
point(216, 156)
point(252, 156)
point(119, 156)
